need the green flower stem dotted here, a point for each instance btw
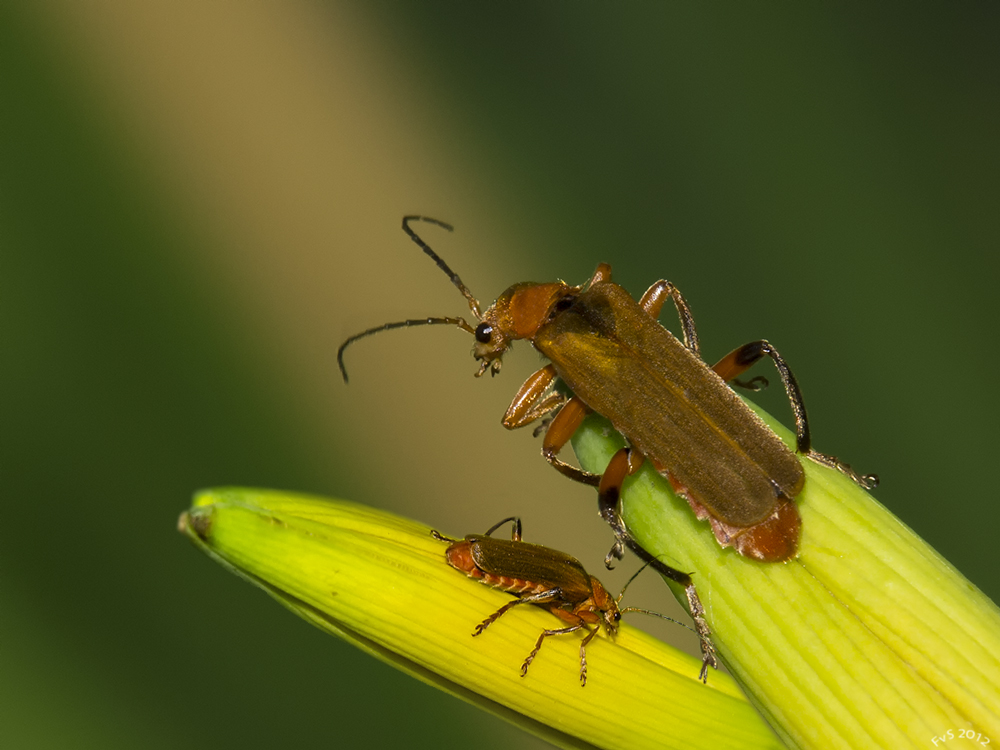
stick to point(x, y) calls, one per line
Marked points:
point(381, 582)
point(867, 639)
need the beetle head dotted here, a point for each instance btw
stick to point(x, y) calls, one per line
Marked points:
point(606, 605)
point(518, 313)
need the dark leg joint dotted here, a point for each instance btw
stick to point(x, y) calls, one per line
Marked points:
point(747, 354)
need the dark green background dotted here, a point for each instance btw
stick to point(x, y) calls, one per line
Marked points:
point(824, 177)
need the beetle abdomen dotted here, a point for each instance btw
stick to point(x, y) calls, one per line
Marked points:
point(511, 585)
point(460, 557)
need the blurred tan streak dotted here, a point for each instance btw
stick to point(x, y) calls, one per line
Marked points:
point(296, 141)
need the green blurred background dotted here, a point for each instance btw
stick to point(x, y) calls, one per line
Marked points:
point(198, 202)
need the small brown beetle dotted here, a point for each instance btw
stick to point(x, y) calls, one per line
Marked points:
point(546, 578)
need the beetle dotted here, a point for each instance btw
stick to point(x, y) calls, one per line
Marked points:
point(657, 391)
point(546, 578)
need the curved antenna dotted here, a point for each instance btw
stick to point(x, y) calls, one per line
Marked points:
point(629, 581)
point(473, 302)
point(657, 614)
point(460, 322)
point(623, 610)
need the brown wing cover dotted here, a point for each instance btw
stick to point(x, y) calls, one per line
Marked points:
point(531, 562)
point(670, 404)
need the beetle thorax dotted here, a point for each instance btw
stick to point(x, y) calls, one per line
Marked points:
point(518, 313)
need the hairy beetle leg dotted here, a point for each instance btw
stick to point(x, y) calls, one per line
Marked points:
point(740, 360)
point(532, 599)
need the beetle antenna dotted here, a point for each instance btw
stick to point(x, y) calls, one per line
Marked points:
point(515, 534)
point(460, 322)
point(623, 610)
point(629, 581)
point(473, 302)
point(657, 614)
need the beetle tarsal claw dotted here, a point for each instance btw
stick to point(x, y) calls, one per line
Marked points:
point(543, 426)
point(756, 384)
point(865, 481)
point(527, 662)
point(704, 633)
point(617, 552)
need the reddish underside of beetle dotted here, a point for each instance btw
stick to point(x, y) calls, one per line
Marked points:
point(775, 539)
point(459, 556)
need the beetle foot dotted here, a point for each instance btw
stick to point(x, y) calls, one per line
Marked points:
point(865, 481)
point(708, 658)
point(527, 662)
point(756, 384)
point(542, 427)
point(617, 552)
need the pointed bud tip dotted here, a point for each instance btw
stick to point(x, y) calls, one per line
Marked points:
point(196, 522)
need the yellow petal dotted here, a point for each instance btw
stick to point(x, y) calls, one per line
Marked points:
point(382, 583)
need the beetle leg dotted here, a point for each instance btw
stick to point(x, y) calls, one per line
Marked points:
point(515, 532)
point(538, 645)
point(755, 384)
point(617, 552)
point(530, 402)
point(565, 423)
point(624, 463)
point(652, 302)
point(583, 655)
point(867, 481)
point(541, 427)
point(531, 599)
point(695, 607)
point(528, 405)
point(704, 634)
point(740, 360)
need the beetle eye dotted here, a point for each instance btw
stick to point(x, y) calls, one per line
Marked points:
point(484, 331)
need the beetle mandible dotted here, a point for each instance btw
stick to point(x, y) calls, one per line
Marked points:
point(546, 578)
